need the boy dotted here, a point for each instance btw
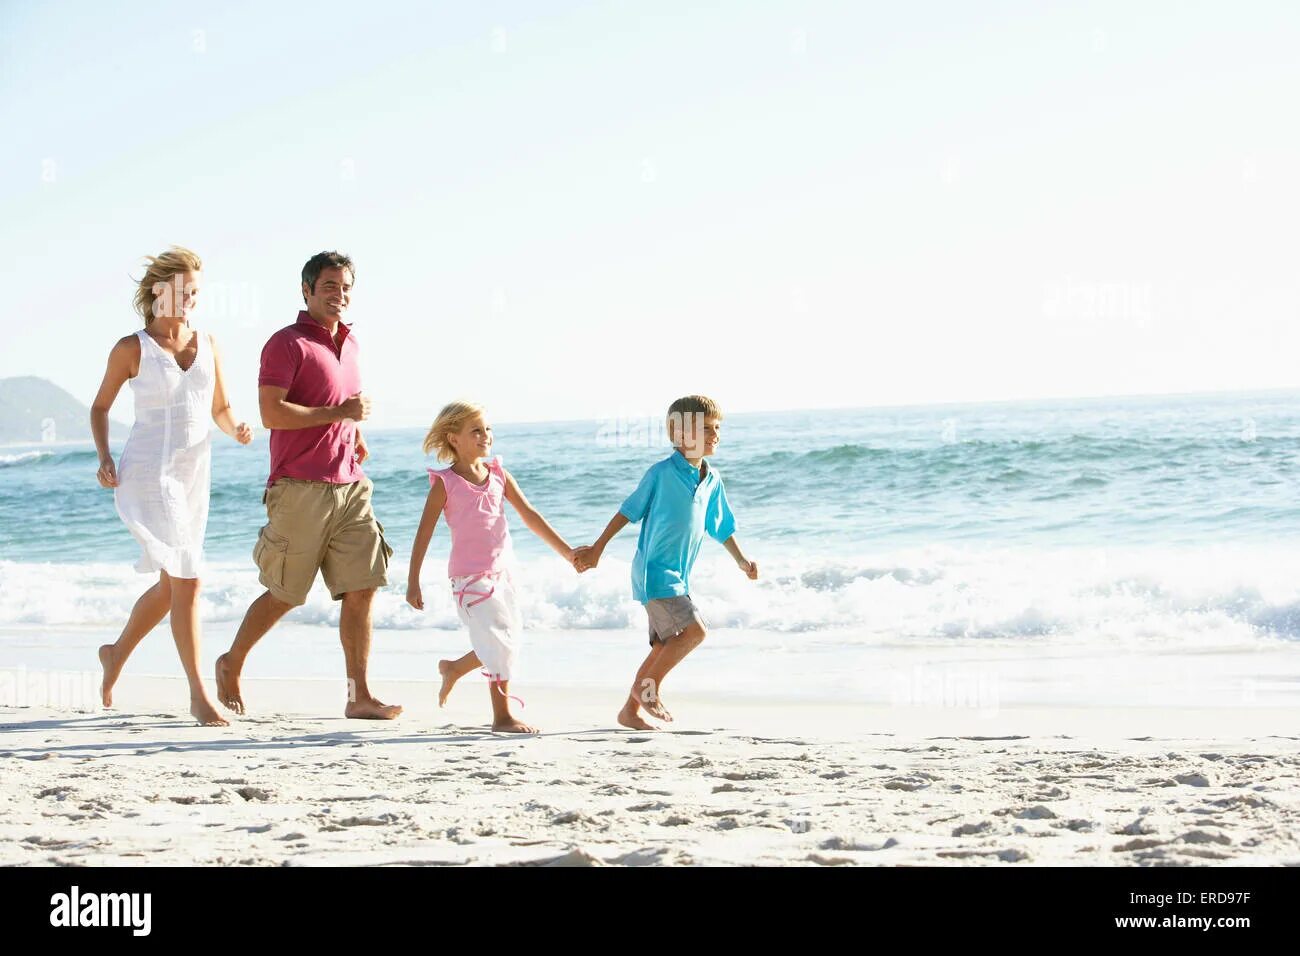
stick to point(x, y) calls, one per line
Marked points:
point(679, 500)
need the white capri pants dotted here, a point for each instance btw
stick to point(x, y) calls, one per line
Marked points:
point(488, 607)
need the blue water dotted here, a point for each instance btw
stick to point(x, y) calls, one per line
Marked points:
point(1152, 516)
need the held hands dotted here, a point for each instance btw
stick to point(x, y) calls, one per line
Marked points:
point(356, 408)
point(243, 433)
point(585, 558)
point(413, 595)
point(107, 473)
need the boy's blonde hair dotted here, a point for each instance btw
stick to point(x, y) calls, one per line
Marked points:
point(162, 268)
point(691, 405)
point(451, 419)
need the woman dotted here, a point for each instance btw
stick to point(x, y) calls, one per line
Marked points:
point(163, 481)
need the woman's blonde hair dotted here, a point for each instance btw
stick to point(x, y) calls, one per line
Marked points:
point(161, 269)
point(451, 419)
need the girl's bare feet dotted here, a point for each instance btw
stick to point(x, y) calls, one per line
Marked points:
point(449, 678)
point(629, 717)
point(108, 660)
point(513, 726)
point(206, 714)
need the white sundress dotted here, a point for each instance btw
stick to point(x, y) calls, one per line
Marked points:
point(164, 475)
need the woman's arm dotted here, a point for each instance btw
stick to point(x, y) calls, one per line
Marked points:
point(123, 363)
point(433, 506)
point(221, 412)
point(535, 522)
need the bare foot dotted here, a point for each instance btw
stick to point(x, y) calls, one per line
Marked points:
point(108, 660)
point(371, 709)
point(449, 678)
point(206, 714)
point(228, 687)
point(650, 700)
point(513, 726)
point(629, 717)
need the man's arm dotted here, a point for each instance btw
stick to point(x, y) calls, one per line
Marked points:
point(278, 413)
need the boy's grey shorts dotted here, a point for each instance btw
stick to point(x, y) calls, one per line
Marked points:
point(670, 616)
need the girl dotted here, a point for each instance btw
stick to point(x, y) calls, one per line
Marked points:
point(472, 492)
point(162, 481)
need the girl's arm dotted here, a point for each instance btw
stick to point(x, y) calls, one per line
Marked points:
point(221, 412)
point(749, 567)
point(535, 522)
point(123, 363)
point(433, 506)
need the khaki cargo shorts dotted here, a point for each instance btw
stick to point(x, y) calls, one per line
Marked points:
point(320, 526)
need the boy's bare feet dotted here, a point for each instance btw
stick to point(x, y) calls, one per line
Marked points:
point(228, 687)
point(203, 711)
point(629, 717)
point(371, 709)
point(513, 726)
point(449, 678)
point(108, 660)
point(651, 702)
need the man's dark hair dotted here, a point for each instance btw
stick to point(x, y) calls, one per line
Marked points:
point(322, 261)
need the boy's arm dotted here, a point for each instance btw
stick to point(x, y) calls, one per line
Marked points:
point(749, 567)
point(534, 521)
point(590, 555)
point(433, 506)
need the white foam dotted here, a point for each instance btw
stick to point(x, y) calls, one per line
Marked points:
point(1210, 597)
point(23, 458)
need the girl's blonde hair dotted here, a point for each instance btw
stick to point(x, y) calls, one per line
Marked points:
point(451, 419)
point(162, 269)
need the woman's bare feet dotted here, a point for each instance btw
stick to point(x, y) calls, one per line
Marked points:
point(112, 669)
point(513, 726)
point(651, 701)
point(629, 717)
point(228, 687)
point(371, 709)
point(203, 711)
point(449, 677)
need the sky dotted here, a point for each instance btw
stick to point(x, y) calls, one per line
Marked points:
point(583, 210)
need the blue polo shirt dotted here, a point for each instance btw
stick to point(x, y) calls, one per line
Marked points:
point(676, 509)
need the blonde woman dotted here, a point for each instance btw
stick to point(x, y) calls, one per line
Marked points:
point(162, 481)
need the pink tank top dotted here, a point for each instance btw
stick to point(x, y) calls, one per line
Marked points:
point(476, 515)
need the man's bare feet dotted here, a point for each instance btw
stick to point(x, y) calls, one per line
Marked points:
point(206, 714)
point(108, 660)
point(371, 709)
point(650, 700)
point(629, 717)
point(513, 726)
point(449, 678)
point(228, 687)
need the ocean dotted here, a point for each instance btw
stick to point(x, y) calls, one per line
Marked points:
point(1122, 526)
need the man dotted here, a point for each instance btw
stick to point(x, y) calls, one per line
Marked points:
point(319, 516)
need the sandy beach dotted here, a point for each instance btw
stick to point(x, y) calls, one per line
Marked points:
point(738, 782)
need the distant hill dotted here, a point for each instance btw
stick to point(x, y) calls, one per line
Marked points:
point(35, 409)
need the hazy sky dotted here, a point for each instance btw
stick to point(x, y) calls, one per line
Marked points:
point(577, 210)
